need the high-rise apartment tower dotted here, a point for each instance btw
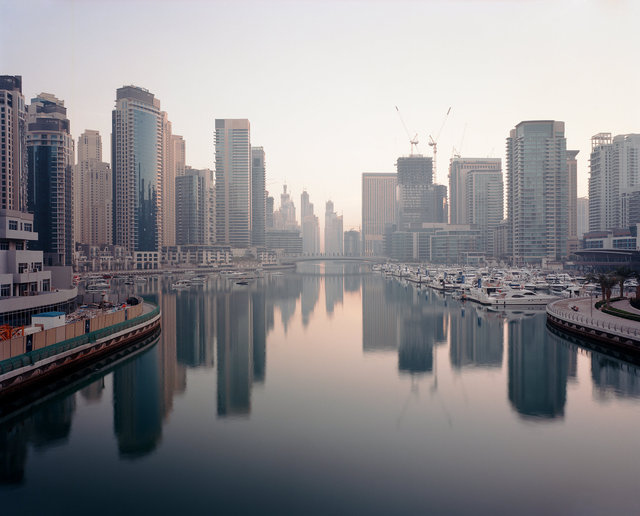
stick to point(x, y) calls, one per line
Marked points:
point(538, 191)
point(233, 182)
point(138, 147)
point(50, 155)
point(379, 208)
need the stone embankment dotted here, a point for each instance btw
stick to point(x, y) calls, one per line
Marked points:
point(578, 316)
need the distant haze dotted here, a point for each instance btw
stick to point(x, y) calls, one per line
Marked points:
point(319, 80)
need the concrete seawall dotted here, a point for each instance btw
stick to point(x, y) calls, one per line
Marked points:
point(578, 317)
point(42, 365)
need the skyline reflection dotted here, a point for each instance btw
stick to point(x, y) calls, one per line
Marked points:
point(224, 331)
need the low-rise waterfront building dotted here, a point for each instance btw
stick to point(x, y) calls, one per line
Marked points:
point(178, 255)
point(289, 240)
point(26, 287)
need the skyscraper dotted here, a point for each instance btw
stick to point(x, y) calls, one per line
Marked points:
point(572, 171)
point(415, 176)
point(285, 217)
point(233, 182)
point(379, 209)
point(13, 127)
point(476, 196)
point(269, 211)
point(310, 226)
point(50, 155)
point(538, 191)
point(614, 171)
point(193, 200)
point(258, 196)
point(93, 192)
point(459, 170)
point(333, 235)
point(138, 147)
point(173, 165)
point(582, 209)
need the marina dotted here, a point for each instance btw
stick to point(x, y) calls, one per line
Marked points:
point(320, 376)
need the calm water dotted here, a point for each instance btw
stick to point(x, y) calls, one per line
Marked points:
point(334, 391)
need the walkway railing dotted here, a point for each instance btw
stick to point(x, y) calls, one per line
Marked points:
point(32, 357)
point(590, 322)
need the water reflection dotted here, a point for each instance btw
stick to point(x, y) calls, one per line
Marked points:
point(538, 369)
point(309, 297)
point(476, 337)
point(138, 404)
point(223, 330)
point(613, 377)
point(421, 326)
point(379, 316)
point(48, 426)
point(235, 352)
point(92, 393)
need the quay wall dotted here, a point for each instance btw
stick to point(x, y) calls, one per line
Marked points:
point(617, 334)
point(42, 339)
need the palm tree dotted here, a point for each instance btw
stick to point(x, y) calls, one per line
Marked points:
point(606, 282)
point(622, 274)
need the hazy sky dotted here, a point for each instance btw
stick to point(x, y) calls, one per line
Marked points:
point(319, 79)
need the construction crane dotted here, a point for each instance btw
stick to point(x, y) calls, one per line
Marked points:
point(412, 141)
point(434, 143)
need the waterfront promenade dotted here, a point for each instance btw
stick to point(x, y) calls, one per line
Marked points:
point(580, 317)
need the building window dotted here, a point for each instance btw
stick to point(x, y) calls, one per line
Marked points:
point(19, 246)
point(13, 224)
point(46, 285)
point(22, 267)
point(28, 226)
point(5, 290)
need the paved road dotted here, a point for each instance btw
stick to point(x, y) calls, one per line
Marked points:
point(584, 308)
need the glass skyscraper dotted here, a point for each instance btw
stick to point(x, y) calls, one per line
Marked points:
point(50, 156)
point(137, 154)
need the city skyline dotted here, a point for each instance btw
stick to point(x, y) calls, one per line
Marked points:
point(351, 77)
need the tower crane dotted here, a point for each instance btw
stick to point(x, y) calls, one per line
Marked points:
point(434, 143)
point(412, 141)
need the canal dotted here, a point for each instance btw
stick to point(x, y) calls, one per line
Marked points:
point(332, 390)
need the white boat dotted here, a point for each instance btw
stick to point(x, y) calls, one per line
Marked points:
point(140, 280)
point(198, 280)
point(182, 284)
point(97, 286)
point(493, 296)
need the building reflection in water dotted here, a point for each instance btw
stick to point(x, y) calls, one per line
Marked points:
point(309, 297)
point(539, 365)
point(379, 315)
point(235, 352)
point(476, 337)
point(92, 393)
point(613, 377)
point(46, 426)
point(421, 326)
point(333, 286)
point(137, 404)
point(259, 311)
point(195, 344)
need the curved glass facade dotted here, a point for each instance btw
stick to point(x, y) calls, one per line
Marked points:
point(145, 156)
